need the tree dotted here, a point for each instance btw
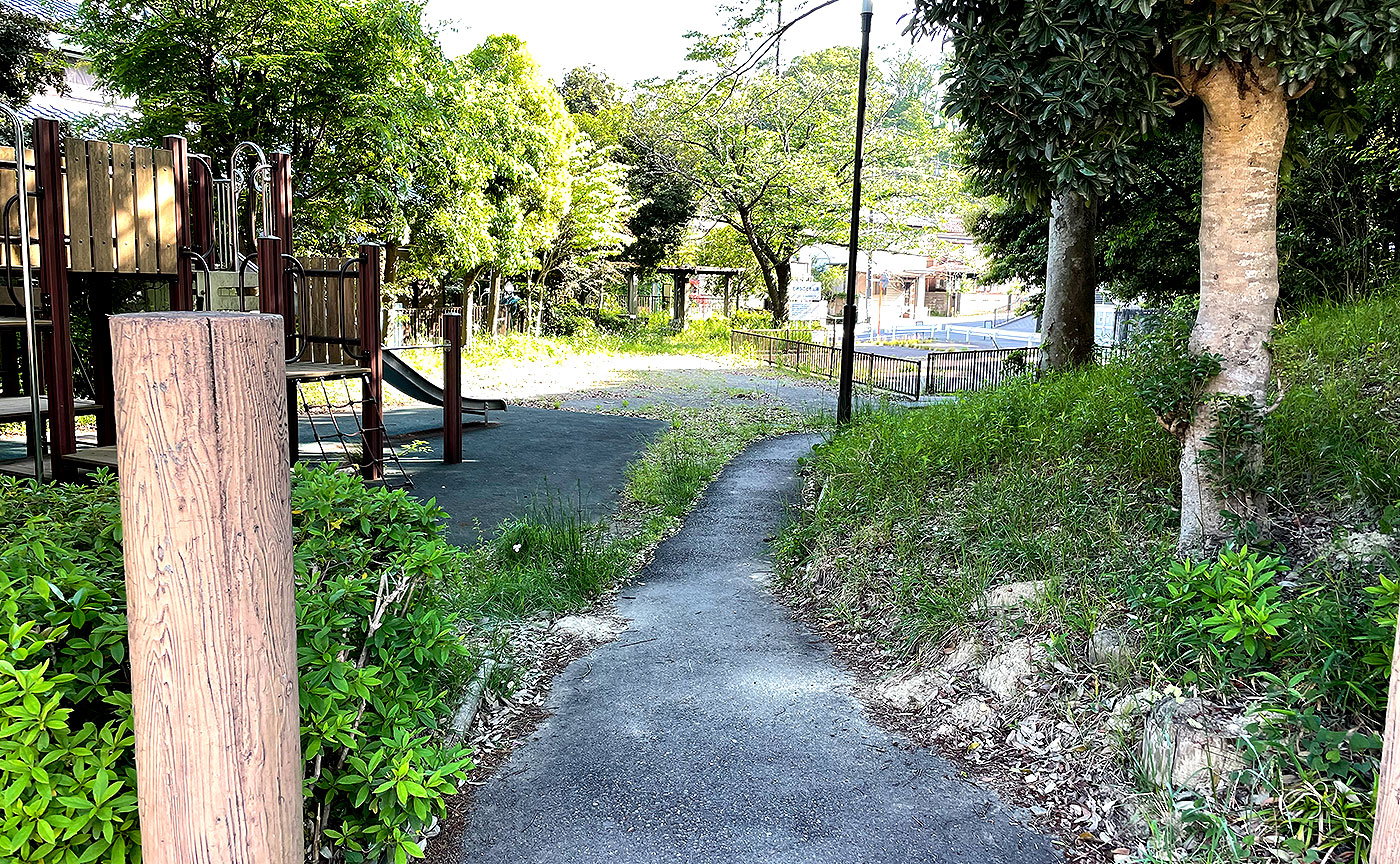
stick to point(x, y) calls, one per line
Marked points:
point(1145, 242)
point(28, 63)
point(356, 90)
point(771, 155)
point(1243, 63)
point(591, 231)
point(1052, 109)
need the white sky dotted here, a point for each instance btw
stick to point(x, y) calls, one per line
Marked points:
point(631, 40)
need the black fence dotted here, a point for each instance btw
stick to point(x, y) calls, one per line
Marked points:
point(894, 374)
point(957, 371)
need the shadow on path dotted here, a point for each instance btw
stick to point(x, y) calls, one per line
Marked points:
point(718, 729)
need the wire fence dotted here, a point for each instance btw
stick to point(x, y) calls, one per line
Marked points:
point(878, 371)
point(935, 373)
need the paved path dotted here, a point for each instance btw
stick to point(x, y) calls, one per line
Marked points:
point(717, 729)
point(526, 457)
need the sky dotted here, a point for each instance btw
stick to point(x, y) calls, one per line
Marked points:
point(632, 40)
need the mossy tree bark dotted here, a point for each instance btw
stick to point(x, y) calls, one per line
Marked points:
point(1246, 122)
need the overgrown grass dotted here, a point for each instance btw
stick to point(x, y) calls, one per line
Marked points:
point(1070, 480)
point(554, 559)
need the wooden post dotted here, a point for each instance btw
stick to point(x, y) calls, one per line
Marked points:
point(207, 537)
point(727, 279)
point(372, 393)
point(1385, 836)
point(679, 284)
point(53, 283)
point(632, 293)
point(182, 298)
point(452, 389)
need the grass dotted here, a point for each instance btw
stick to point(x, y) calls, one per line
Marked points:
point(554, 559)
point(1070, 480)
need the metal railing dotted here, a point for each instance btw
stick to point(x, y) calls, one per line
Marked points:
point(959, 371)
point(879, 371)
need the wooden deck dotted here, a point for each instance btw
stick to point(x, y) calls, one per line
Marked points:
point(15, 409)
point(98, 457)
point(322, 371)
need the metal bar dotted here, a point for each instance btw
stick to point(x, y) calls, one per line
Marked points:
point(48, 173)
point(372, 466)
point(452, 389)
point(31, 331)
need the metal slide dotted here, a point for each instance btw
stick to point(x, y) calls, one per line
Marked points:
point(407, 380)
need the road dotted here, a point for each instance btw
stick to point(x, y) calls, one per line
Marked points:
point(718, 729)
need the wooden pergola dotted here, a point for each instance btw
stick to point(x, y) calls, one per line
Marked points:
point(680, 277)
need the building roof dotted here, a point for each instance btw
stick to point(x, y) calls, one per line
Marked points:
point(54, 11)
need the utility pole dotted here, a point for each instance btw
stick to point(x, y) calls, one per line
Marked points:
point(848, 319)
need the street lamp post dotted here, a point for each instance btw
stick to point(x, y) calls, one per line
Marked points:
point(848, 319)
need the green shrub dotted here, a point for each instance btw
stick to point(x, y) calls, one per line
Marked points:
point(379, 653)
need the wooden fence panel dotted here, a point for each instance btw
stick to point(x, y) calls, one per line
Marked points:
point(167, 243)
point(99, 184)
point(79, 225)
point(145, 209)
point(124, 207)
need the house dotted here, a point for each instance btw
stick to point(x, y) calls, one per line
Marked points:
point(85, 104)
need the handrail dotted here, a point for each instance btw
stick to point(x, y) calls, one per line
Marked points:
point(31, 334)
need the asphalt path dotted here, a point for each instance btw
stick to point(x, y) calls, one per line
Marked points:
point(716, 728)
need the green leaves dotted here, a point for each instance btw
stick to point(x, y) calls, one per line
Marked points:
point(380, 663)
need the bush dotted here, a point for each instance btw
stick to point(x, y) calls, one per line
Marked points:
point(379, 654)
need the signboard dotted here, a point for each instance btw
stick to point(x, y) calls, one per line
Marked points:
point(805, 302)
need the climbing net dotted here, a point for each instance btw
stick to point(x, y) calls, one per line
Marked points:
point(338, 429)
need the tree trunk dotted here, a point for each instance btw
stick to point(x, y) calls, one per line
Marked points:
point(1246, 122)
point(391, 267)
point(782, 278)
point(1070, 280)
point(493, 305)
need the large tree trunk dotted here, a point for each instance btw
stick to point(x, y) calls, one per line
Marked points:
point(782, 278)
point(1068, 320)
point(1246, 122)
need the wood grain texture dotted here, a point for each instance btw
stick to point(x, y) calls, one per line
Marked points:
point(146, 256)
point(1385, 836)
point(79, 226)
point(124, 207)
point(207, 536)
point(167, 227)
point(100, 206)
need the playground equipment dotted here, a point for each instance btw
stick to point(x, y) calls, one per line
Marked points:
point(107, 219)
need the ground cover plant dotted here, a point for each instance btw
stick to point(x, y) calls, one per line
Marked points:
point(1070, 482)
point(380, 655)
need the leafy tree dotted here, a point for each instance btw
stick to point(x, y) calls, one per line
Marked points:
point(1145, 239)
point(771, 155)
point(591, 231)
point(28, 63)
point(356, 90)
point(1052, 108)
point(1243, 62)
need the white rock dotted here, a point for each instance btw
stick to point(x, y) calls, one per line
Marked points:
point(1112, 647)
point(964, 656)
point(972, 714)
point(1187, 744)
point(1366, 545)
point(1006, 673)
point(911, 692)
point(590, 627)
point(1014, 594)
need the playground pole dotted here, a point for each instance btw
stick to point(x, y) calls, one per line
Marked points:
point(372, 359)
point(452, 389)
point(207, 542)
point(31, 327)
point(848, 318)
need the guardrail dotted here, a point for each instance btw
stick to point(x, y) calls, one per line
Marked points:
point(881, 372)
